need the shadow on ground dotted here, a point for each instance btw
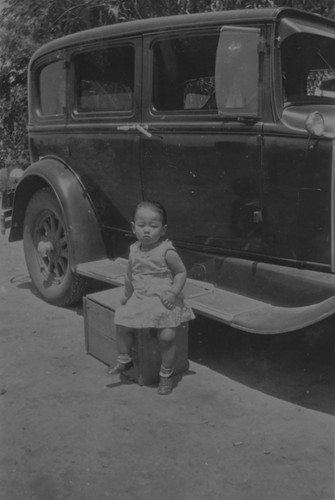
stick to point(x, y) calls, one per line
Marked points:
point(297, 367)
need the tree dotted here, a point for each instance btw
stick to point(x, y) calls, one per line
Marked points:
point(27, 24)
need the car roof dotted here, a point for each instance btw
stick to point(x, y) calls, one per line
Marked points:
point(162, 24)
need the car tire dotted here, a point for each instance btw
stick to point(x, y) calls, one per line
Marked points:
point(47, 250)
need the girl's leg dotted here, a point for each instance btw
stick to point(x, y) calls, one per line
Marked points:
point(124, 341)
point(167, 344)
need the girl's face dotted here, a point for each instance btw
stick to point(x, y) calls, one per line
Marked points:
point(148, 227)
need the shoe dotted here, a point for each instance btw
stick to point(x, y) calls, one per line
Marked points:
point(120, 368)
point(165, 386)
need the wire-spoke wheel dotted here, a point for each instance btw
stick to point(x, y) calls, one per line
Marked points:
point(47, 249)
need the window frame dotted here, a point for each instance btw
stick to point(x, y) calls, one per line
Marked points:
point(307, 99)
point(76, 116)
point(34, 94)
point(150, 113)
point(286, 27)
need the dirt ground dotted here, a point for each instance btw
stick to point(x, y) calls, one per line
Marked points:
point(253, 418)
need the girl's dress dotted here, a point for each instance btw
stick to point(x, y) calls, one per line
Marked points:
point(150, 277)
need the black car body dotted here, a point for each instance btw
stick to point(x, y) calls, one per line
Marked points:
point(222, 117)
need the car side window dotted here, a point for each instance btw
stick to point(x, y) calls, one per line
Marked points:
point(211, 73)
point(104, 79)
point(237, 71)
point(184, 72)
point(52, 78)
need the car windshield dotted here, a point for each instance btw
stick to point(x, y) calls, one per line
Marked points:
point(308, 68)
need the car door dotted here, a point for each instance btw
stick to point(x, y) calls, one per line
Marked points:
point(201, 157)
point(102, 143)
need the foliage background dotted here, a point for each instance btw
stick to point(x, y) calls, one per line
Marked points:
point(27, 24)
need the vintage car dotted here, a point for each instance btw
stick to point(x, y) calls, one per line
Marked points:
point(223, 118)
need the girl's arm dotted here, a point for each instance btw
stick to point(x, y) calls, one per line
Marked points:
point(178, 269)
point(128, 287)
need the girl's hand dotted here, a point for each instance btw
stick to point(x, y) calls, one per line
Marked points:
point(124, 300)
point(169, 300)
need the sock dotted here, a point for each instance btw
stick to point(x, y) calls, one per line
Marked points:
point(165, 372)
point(123, 359)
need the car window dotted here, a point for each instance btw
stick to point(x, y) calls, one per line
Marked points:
point(308, 67)
point(209, 73)
point(237, 71)
point(105, 79)
point(183, 73)
point(52, 89)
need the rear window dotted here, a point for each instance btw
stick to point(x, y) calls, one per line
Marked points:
point(52, 89)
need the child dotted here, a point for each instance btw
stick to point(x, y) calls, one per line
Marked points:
point(152, 299)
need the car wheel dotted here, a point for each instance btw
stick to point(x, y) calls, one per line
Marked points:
point(47, 250)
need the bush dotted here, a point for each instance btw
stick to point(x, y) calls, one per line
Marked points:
point(27, 24)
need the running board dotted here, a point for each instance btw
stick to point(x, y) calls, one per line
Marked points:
point(238, 311)
point(106, 270)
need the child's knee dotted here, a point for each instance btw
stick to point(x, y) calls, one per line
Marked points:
point(167, 334)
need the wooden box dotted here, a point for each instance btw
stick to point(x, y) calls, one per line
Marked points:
point(100, 339)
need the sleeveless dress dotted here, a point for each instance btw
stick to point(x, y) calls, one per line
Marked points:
point(150, 277)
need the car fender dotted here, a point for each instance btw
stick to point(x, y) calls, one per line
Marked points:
point(77, 208)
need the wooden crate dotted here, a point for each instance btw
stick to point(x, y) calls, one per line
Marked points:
point(100, 339)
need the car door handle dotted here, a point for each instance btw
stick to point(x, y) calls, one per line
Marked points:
point(135, 126)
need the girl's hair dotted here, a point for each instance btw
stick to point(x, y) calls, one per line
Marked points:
point(155, 205)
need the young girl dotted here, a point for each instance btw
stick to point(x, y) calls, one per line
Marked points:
point(152, 299)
